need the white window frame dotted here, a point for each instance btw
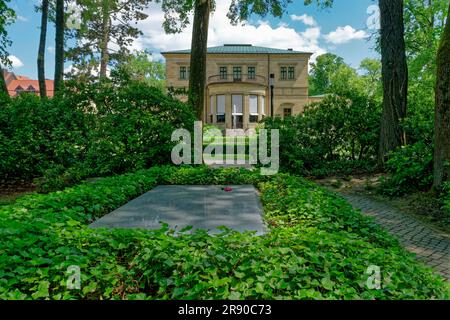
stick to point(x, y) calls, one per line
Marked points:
point(233, 105)
point(219, 99)
point(253, 98)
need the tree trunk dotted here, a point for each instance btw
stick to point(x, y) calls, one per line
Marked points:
point(41, 53)
point(442, 111)
point(197, 75)
point(3, 88)
point(59, 45)
point(104, 55)
point(395, 77)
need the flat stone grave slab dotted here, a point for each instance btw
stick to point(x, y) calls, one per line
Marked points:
point(202, 207)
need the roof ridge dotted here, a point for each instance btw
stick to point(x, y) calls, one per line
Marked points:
point(240, 49)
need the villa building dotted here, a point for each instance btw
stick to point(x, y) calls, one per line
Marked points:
point(240, 81)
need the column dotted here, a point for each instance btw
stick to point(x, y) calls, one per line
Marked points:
point(228, 111)
point(213, 108)
point(245, 111)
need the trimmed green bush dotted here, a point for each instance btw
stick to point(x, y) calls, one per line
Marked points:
point(318, 247)
point(335, 136)
point(110, 127)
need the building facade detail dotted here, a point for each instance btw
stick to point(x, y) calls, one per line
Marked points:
point(237, 93)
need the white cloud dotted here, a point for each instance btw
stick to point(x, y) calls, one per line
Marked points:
point(15, 62)
point(71, 69)
point(51, 49)
point(21, 18)
point(221, 32)
point(308, 20)
point(345, 34)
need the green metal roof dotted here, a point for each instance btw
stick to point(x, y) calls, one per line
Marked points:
point(240, 49)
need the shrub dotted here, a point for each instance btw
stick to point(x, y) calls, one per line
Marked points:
point(338, 129)
point(447, 197)
point(110, 127)
point(410, 168)
point(318, 247)
point(37, 134)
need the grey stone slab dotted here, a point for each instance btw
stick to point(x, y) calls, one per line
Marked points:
point(202, 207)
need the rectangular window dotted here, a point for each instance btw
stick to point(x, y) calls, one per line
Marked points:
point(220, 117)
point(287, 112)
point(283, 73)
point(183, 73)
point(253, 105)
point(223, 72)
point(236, 102)
point(251, 73)
point(237, 73)
point(291, 73)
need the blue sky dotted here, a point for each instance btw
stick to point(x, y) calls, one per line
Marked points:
point(341, 30)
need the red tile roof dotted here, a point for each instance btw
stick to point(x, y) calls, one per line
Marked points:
point(17, 84)
point(9, 76)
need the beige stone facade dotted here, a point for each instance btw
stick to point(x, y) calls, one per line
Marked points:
point(238, 91)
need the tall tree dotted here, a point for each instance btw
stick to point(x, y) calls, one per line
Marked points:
point(59, 45)
point(105, 22)
point(394, 74)
point(106, 25)
point(442, 111)
point(394, 77)
point(199, 47)
point(322, 70)
point(141, 66)
point(6, 17)
point(41, 52)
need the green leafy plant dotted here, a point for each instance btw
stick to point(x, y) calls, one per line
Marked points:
point(337, 135)
point(410, 169)
point(318, 247)
point(110, 127)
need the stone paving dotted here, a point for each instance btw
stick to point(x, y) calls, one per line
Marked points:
point(430, 246)
point(202, 207)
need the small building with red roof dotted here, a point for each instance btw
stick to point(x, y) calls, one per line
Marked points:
point(17, 84)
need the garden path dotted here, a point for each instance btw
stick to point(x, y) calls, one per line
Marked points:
point(430, 246)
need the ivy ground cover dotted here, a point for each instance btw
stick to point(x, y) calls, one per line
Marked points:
point(318, 247)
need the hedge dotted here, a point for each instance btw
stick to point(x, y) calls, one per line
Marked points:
point(318, 247)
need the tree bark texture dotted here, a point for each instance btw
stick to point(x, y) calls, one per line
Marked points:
point(59, 45)
point(442, 111)
point(199, 47)
point(41, 52)
point(394, 77)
